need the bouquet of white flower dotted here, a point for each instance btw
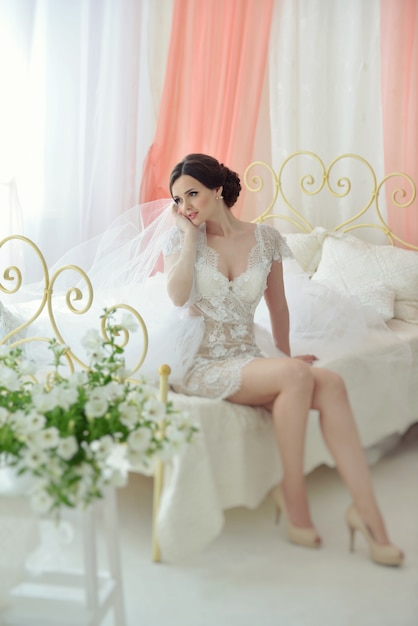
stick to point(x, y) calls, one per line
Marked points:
point(64, 430)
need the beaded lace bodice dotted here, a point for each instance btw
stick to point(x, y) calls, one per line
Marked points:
point(227, 307)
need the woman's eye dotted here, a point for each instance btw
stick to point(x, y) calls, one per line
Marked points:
point(193, 193)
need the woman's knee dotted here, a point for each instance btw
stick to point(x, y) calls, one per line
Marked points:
point(299, 374)
point(333, 383)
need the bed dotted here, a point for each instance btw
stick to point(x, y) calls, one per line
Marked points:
point(234, 460)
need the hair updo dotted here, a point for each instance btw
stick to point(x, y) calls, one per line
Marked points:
point(208, 171)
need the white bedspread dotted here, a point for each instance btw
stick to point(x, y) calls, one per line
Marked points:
point(235, 461)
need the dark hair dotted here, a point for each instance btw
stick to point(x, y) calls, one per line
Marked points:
point(208, 171)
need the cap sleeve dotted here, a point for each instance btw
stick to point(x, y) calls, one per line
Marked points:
point(276, 243)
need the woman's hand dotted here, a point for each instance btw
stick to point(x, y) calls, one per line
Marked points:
point(180, 220)
point(307, 358)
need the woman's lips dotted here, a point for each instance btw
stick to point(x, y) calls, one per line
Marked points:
point(191, 216)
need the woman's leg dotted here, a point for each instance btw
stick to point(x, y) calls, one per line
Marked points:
point(342, 438)
point(286, 386)
point(290, 388)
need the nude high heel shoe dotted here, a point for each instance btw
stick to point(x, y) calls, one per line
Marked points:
point(306, 537)
point(387, 554)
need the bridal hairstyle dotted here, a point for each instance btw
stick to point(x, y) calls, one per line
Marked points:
point(208, 171)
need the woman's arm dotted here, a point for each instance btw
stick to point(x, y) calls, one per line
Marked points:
point(277, 305)
point(179, 267)
point(279, 313)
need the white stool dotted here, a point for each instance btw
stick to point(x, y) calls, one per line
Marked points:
point(75, 597)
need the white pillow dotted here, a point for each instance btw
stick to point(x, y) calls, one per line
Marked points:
point(359, 267)
point(380, 298)
point(306, 248)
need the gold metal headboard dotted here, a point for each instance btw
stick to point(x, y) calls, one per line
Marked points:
point(281, 207)
point(78, 302)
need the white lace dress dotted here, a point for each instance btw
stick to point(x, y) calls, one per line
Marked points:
point(227, 308)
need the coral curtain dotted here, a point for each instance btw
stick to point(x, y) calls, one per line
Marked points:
point(399, 43)
point(213, 86)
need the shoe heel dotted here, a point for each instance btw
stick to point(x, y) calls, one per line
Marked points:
point(306, 537)
point(383, 554)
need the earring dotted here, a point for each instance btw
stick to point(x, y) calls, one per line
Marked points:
point(217, 197)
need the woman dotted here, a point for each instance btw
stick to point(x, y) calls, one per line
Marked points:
point(218, 268)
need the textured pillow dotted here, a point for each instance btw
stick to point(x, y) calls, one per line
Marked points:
point(358, 267)
point(306, 248)
point(380, 298)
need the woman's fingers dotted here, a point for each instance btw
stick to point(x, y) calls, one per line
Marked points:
point(308, 358)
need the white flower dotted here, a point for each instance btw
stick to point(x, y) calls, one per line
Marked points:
point(42, 400)
point(175, 435)
point(41, 501)
point(121, 372)
point(17, 418)
point(93, 344)
point(9, 379)
point(139, 440)
point(52, 457)
point(86, 471)
point(34, 458)
point(92, 341)
point(64, 397)
point(144, 391)
point(67, 447)
point(102, 447)
point(128, 414)
point(58, 349)
point(141, 463)
point(97, 404)
point(77, 379)
point(113, 391)
point(115, 476)
point(46, 438)
point(177, 439)
point(129, 322)
point(33, 422)
point(154, 409)
point(27, 424)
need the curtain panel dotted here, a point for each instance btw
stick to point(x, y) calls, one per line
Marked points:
point(81, 84)
point(399, 43)
point(212, 89)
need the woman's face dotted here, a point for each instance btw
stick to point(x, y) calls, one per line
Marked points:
point(194, 200)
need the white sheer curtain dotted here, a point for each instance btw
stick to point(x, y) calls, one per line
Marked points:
point(80, 84)
point(80, 90)
point(325, 94)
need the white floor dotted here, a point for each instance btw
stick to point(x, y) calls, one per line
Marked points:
point(251, 576)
